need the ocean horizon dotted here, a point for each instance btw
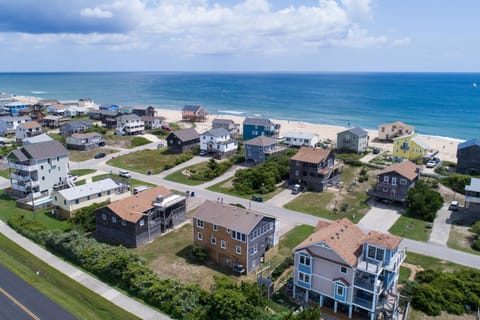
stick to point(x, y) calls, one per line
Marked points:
point(437, 104)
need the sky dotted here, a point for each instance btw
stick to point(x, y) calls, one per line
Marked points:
point(240, 35)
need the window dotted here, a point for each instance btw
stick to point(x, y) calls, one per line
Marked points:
point(303, 277)
point(199, 236)
point(228, 230)
point(99, 194)
point(142, 222)
point(104, 217)
point(375, 253)
point(43, 178)
point(385, 179)
point(253, 250)
point(403, 181)
point(223, 244)
point(238, 250)
point(200, 223)
point(215, 227)
point(124, 223)
point(305, 260)
point(343, 270)
point(114, 219)
point(41, 167)
point(213, 240)
point(88, 197)
point(56, 198)
point(238, 236)
point(77, 201)
point(340, 290)
point(394, 181)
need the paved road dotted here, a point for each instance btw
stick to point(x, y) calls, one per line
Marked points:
point(19, 300)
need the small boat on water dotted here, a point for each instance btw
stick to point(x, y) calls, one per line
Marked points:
point(474, 84)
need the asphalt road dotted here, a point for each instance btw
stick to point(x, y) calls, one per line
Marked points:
point(19, 300)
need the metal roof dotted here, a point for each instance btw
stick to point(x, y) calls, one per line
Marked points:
point(193, 108)
point(359, 132)
point(217, 132)
point(258, 122)
point(88, 189)
point(469, 143)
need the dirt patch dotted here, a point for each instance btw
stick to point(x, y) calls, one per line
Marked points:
point(414, 269)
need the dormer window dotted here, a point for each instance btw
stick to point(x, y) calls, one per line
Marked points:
point(375, 253)
point(305, 260)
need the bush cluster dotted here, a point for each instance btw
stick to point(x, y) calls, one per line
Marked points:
point(184, 157)
point(456, 182)
point(476, 230)
point(286, 263)
point(214, 169)
point(423, 202)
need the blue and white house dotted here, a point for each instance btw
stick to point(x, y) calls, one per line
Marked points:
point(257, 127)
point(340, 265)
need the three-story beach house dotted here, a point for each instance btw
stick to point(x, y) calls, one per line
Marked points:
point(259, 149)
point(130, 125)
point(412, 148)
point(227, 124)
point(468, 157)
point(352, 140)
point(218, 142)
point(340, 265)
point(256, 127)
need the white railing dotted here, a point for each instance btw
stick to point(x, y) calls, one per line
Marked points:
point(23, 167)
point(396, 261)
point(19, 177)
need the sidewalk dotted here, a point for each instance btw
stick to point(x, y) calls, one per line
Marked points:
point(136, 308)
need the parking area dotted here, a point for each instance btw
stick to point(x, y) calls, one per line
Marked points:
point(381, 216)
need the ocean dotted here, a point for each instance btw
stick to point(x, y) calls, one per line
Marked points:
point(440, 104)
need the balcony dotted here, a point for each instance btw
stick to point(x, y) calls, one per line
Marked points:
point(369, 284)
point(23, 167)
point(396, 261)
point(19, 177)
point(363, 303)
point(369, 266)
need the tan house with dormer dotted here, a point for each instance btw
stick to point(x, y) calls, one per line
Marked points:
point(389, 131)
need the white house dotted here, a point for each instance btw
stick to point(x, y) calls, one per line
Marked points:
point(130, 124)
point(67, 201)
point(298, 139)
point(37, 139)
point(218, 142)
point(8, 125)
point(27, 130)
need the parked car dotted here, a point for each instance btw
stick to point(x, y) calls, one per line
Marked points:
point(203, 152)
point(431, 164)
point(165, 127)
point(453, 206)
point(296, 189)
point(99, 155)
point(376, 151)
point(124, 174)
point(257, 198)
point(160, 145)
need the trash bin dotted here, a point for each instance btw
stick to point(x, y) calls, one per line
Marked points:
point(192, 194)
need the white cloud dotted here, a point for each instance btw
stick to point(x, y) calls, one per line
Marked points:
point(95, 13)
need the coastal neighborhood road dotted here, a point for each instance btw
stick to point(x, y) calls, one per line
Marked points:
point(19, 300)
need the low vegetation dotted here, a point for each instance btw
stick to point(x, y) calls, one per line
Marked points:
point(82, 172)
point(84, 219)
point(423, 202)
point(200, 173)
point(79, 156)
point(412, 228)
point(139, 141)
point(456, 182)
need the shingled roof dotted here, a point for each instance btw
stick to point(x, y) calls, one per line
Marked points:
point(261, 141)
point(469, 143)
point(311, 155)
point(186, 134)
point(406, 169)
point(258, 121)
point(41, 150)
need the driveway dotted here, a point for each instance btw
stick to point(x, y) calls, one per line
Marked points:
point(282, 198)
point(441, 227)
point(381, 217)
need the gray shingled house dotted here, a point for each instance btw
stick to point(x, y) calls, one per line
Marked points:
point(352, 140)
point(180, 141)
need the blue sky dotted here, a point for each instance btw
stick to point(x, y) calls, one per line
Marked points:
point(235, 35)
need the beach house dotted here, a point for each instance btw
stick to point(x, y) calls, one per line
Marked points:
point(180, 141)
point(352, 140)
point(390, 131)
point(36, 169)
point(256, 127)
point(299, 139)
point(152, 122)
point(235, 238)
point(341, 266)
point(77, 126)
point(36, 139)
point(228, 124)
point(27, 130)
point(394, 182)
point(67, 201)
point(85, 141)
point(142, 111)
point(34, 112)
point(13, 108)
point(130, 125)
point(259, 149)
point(8, 124)
point(412, 148)
point(468, 157)
point(193, 113)
point(52, 122)
point(472, 193)
point(314, 168)
point(138, 219)
point(218, 142)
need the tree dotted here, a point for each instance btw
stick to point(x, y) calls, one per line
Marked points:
point(422, 202)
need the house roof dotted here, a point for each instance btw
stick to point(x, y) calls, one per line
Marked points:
point(152, 118)
point(132, 208)
point(36, 139)
point(223, 121)
point(217, 132)
point(130, 116)
point(300, 135)
point(344, 237)
point(225, 215)
point(9, 118)
point(78, 124)
point(359, 132)
point(261, 141)
point(406, 169)
point(86, 135)
point(141, 107)
point(469, 143)
point(311, 155)
point(186, 134)
point(382, 239)
point(192, 108)
point(52, 117)
point(41, 150)
point(88, 189)
point(30, 125)
point(396, 123)
point(258, 121)
point(420, 142)
point(474, 185)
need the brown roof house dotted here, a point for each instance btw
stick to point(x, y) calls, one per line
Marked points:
point(394, 182)
point(235, 238)
point(193, 113)
point(314, 168)
point(342, 266)
point(136, 220)
point(389, 131)
point(27, 130)
point(180, 141)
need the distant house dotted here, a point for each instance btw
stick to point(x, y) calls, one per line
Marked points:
point(235, 238)
point(85, 141)
point(8, 125)
point(36, 139)
point(394, 182)
point(180, 141)
point(256, 127)
point(27, 130)
point(13, 108)
point(52, 121)
point(218, 142)
point(36, 169)
point(67, 201)
point(352, 140)
point(109, 107)
point(412, 148)
point(76, 110)
point(138, 219)
point(259, 149)
point(468, 157)
point(390, 131)
point(130, 125)
point(341, 266)
point(109, 118)
point(227, 124)
point(299, 139)
point(152, 122)
point(56, 109)
point(144, 111)
point(35, 112)
point(472, 193)
point(75, 127)
point(314, 168)
point(193, 113)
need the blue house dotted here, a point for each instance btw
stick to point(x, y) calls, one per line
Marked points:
point(256, 127)
point(109, 107)
point(257, 150)
point(13, 108)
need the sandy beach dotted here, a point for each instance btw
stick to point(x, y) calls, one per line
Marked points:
point(447, 147)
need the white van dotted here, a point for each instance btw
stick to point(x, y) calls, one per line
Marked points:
point(296, 189)
point(124, 173)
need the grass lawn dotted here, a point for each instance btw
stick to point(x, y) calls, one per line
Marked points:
point(139, 141)
point(411, 228)
point(5, 174)
point(226, 187)
point(428, 262)
point(461, 239)
point(179, 177)
point(145, 160)
point(80, 182)
point(79, 156)
point(9, 209)
point(404, 274)
point(82, 172)
point(134, 182)
point(73, 297)
point(125, 142)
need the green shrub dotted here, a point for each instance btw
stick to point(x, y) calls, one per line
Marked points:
point(84, 219)
point(201, 254)
point(422, 202)
point(456, 182)
point(277, 272)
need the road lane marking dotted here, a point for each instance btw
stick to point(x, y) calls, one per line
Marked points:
point(18, 303)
